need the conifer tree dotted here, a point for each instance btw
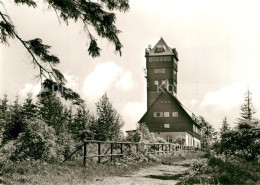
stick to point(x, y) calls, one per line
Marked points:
point(51, 110)
point(14, 125)
point(4, 116)
point(29, 109)
point(247, 119)
point(3, 106)
point(108, 123)
point(225, 126)
point(81, 123)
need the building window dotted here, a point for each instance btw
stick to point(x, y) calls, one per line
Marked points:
point(152, 59)
point(175, 114)
point(163, 70)
point(166, 125)
point(166, 114)
point(158, 114)
point(160, 49)
point(159, 70)
point(156, 82)
point(167, 58)
point(160, 59)
point(169, 139)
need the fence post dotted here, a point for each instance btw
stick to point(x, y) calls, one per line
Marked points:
point(162, 148)
point(111, 157)
point(169, 148)
point(121, 148)
point(85, 154)
point(136, 148)
point(99, 152)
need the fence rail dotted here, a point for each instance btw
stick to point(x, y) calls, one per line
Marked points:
point(111, 149)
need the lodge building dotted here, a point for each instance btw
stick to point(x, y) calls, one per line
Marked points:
point(166, 117)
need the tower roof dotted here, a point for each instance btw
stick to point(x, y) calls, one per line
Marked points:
point(161, 48)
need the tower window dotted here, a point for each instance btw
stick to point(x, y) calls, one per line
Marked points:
point(151, 59)
point(166, 114)
point(167, 58)
point(159, 49)
point(159, 70)
point(175, 114)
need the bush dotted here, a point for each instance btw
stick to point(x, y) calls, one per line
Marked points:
point(219, 169)
point(36, 142)
point(243, 143)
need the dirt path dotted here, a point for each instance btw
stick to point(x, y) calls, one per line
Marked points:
point(160, 174)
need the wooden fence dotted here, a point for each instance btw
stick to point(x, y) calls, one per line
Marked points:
point(111, 149)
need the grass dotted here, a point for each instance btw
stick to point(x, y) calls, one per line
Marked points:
point(68, 173)
point(73, 172)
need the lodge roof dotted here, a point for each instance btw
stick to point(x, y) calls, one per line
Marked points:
point(175, 100)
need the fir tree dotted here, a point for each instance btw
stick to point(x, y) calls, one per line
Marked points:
point(14, 125)
point(29, 109)
point(3, 106)
point(4, 117)
point(109, 123)
point(81, 123)
point(225, 126)
point(247, 119)
point(51, 110)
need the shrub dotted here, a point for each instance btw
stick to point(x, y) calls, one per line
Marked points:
point(243, 143)
point(36, 142)
point(221, 170)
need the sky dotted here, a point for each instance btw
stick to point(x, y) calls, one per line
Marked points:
point(218, 42)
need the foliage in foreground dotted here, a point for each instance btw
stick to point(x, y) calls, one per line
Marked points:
point(223, 170)
point(36, 172)
point(234, 158)
point(72, 172)
point(48, 130)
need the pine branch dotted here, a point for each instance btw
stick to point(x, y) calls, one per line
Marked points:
point(41, 68)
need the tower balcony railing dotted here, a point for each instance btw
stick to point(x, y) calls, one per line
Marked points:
point(175, 78)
